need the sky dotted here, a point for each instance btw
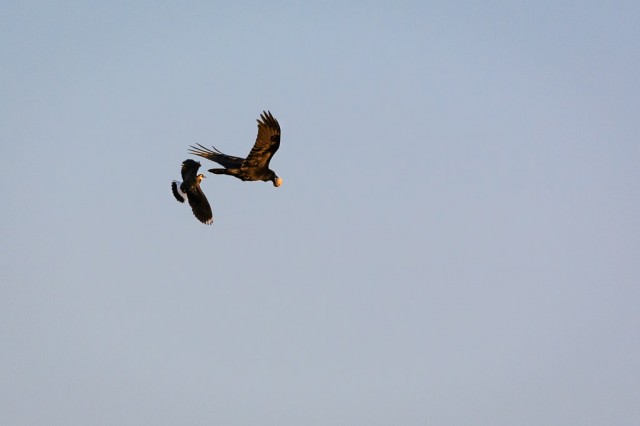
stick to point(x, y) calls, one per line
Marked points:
point(456, 240)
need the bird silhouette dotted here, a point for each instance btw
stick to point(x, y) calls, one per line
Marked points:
point(189, 190)
point(256, 166)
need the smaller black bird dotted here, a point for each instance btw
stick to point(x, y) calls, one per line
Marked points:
point(256, 166)
point(189, 190)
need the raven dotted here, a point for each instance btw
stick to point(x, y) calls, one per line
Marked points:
point(256, 166)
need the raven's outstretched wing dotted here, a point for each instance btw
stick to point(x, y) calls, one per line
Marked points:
point(267, 143)
point(224, 160)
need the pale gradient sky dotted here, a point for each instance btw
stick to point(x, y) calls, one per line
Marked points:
point(456, 241)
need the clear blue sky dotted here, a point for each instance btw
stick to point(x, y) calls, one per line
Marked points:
point(456, 242)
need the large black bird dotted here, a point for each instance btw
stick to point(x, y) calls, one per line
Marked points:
point(189, 190)
point(256, 165)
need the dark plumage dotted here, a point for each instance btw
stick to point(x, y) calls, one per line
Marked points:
point(256, 165)
point(189, 190)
